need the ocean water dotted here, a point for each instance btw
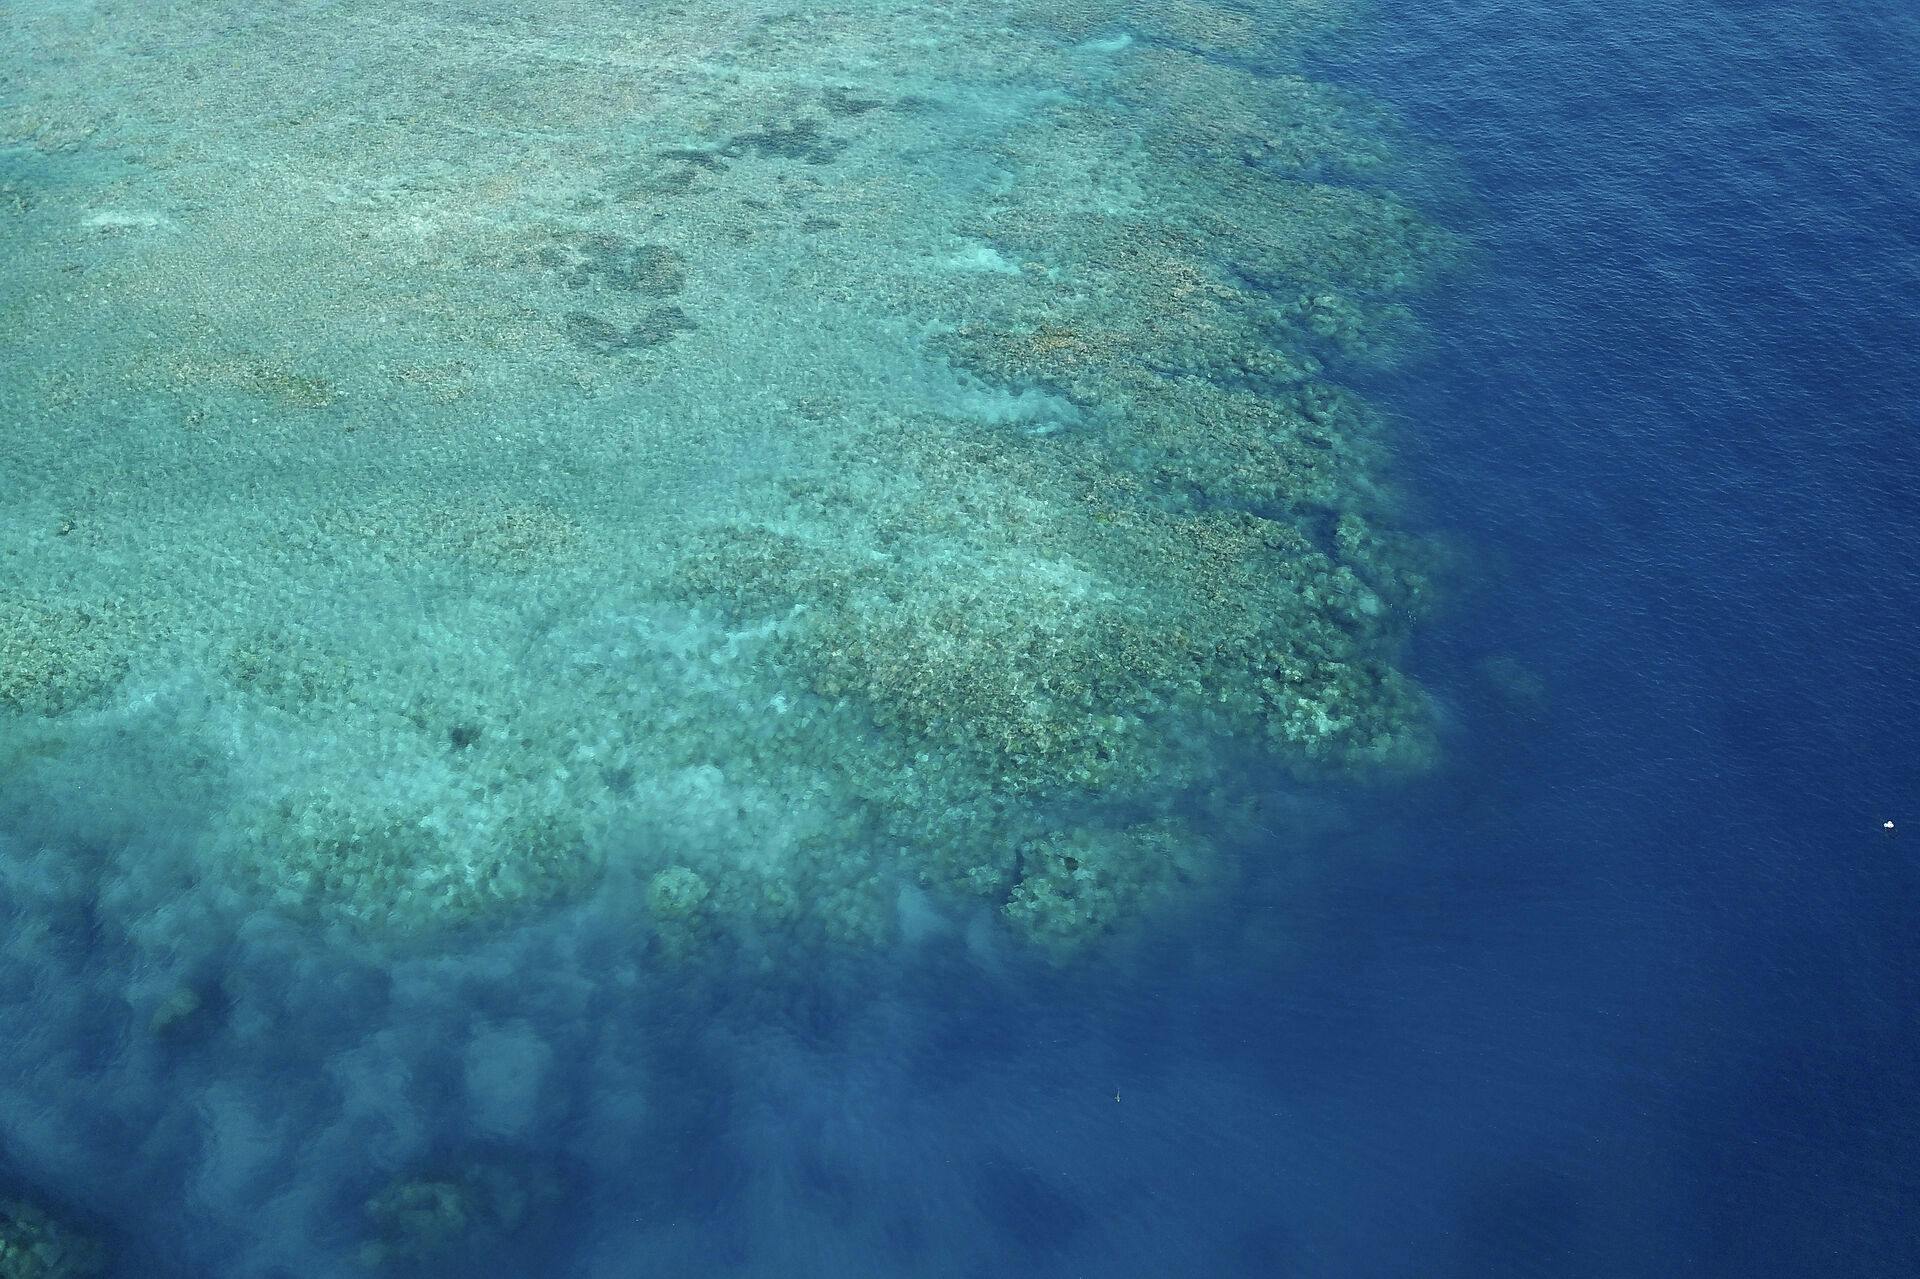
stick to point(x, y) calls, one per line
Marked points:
point(598, 669)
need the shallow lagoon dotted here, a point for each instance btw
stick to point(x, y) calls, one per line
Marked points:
point(905, 642)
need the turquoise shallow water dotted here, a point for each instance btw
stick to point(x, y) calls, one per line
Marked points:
point(933, 640)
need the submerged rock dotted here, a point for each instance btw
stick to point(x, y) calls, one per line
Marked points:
point(433, 1218)
point(34, 1244)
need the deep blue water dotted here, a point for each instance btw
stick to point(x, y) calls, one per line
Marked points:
point(1659, 974)
point(1630, 990)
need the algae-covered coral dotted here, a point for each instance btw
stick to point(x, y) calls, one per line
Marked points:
point(768, 455)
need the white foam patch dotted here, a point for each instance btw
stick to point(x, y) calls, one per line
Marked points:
point(125, 220)
point(982, 258)
point(1032, 409)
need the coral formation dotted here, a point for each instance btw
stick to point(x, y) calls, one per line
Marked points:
point(55, 657)
point(900, 447)
point(428, 1220)
point(34, 1244)
point(676, 893)
point(1076, 887)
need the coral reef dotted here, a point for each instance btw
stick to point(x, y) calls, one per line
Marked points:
point(764, 462)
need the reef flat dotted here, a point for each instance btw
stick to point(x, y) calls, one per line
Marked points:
point(789, 459)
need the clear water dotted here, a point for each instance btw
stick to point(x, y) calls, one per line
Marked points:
point(592, 597)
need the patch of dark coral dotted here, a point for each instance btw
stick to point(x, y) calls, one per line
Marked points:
point(674, 171)
point(603, 337)
point(678, 170)
point(610, 261)
point(804, 140)
point(841, 102)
